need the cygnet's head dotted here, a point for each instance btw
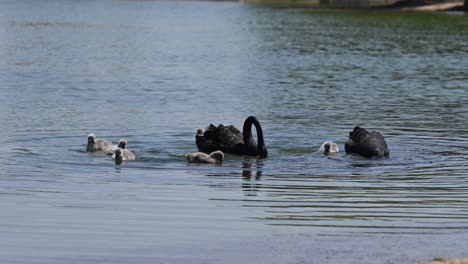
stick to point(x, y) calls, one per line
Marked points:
point(200, 132)
point(91, 139)
point(118, 154)
point(326, 148)
point(122, 143)
point(217, 155)
point(329, 147)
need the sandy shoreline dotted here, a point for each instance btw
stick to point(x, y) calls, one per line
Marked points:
point(403, 5)
point(447, 261)
point(432, 7)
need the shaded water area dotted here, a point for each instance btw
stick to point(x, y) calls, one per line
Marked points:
point(153, 72)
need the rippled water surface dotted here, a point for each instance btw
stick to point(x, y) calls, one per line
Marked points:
point(153, 72)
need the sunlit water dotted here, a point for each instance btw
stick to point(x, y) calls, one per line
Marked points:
point(153, 72)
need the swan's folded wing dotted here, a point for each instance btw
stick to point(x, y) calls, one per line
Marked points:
point(222, 137)
point(380, 145)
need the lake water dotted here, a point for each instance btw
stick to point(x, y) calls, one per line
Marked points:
point(153, 72)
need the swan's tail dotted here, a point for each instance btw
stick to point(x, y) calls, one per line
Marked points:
point(359, 134)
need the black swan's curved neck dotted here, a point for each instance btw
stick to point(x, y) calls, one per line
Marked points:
point(247, 134)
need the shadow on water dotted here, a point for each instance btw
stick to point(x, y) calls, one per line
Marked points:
point(251, 175)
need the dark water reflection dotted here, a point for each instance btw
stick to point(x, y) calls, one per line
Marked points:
point(153, 72)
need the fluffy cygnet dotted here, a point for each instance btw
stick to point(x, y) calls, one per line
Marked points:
point(97, 144)
point(329, 147)
point(215, 157)
point(122, 155)
point(122, 144)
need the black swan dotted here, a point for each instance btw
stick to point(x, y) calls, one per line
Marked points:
point(367, 144)
point(230, 140)
point(329, 147)
point(215, 157)
point(123, 154)
point(97, 144)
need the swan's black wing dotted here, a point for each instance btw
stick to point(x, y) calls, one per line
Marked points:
point(367, 144)
point(224, 138)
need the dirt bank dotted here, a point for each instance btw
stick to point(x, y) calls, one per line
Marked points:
point(429, 5)
point(446, 261)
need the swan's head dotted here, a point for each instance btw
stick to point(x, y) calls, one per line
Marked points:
point(200, 132)
point(91, 139)
point(122, 143)
point(217, 155)
point(329, 147)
